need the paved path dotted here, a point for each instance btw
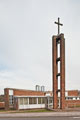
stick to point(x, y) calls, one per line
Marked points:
point(43, 118)
point(41, 114)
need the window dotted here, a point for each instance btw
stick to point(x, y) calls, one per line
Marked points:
point(73, 98)
point(10, 92)
point(25, 101)
point(69, 98)
point(50, 100)
point(39, 100)
point(43, 100)
point(32, 101)
point(76, 98)
point(21, 101)
point(11, 99)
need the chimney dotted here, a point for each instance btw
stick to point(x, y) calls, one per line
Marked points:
point(42, 88)
point(37, 88)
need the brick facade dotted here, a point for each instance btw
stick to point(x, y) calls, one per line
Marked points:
point(55, 84)
point(72, 103)
point(73, 92)
point(27, 93)
point(2, 105)
point(62, 71)
point(20, 92)
point(55, 59)
point(6, 93)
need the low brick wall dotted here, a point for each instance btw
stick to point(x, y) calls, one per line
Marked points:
point(72, 103)
point(27, 93)
point(2, 105)
point(73, 93)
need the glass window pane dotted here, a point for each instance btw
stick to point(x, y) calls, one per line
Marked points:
point(21, 101)
point(32, 101)
point(25, 101)
point(11, 100)
point(43, 100)
point(39, 100)
point(50, 100)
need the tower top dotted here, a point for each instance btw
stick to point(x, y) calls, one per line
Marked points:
point(58, 23)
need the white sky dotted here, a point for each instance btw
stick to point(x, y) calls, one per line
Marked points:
point(26, 29)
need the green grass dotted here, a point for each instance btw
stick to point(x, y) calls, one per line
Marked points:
point(2, 110)
point(26, 111)
point(35, 110)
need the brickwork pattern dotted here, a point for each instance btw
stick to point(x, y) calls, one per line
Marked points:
point(6, 93)
point(27, 93)
point(55, 85)
point(55, 41)
point(73, 93)
point(72, 103)
point(2, 105)
point(20, 92)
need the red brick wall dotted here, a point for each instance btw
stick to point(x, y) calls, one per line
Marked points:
point(72, 103)
point(27, 93)
point(2, 105)
point(6, 94)
point(19, 92)
point(73, 93)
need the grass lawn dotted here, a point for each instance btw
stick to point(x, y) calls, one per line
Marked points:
point(26, 111)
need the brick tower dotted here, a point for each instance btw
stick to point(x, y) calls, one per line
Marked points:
point(58, 60)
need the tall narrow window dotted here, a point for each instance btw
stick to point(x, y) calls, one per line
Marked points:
point(43, 100)
point(21, 101)
point(39, 100)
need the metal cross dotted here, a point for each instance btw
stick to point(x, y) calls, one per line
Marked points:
point(58, 23)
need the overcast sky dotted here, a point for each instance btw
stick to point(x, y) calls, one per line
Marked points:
point(26, 30)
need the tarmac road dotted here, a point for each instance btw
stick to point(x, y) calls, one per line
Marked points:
point(43, 118)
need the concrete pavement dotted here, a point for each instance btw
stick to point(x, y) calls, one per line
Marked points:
point(43, 118)
point(41, 114)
